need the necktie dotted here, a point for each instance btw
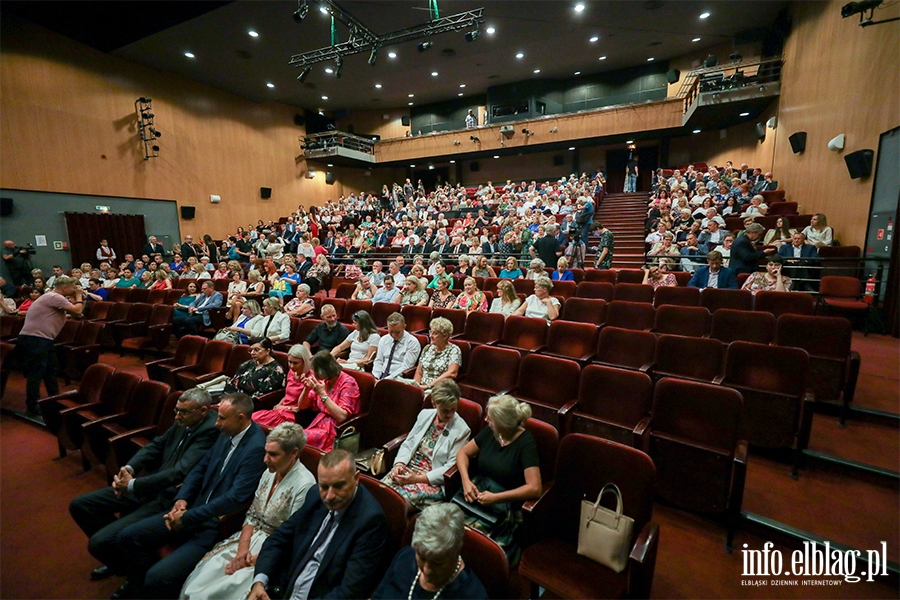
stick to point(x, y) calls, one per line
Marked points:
point(317, 543)
point(387, 367)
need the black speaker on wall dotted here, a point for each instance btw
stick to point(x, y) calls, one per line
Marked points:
point(798, 142)
point(6, 207)
point(673, 76)
point(760, 131)
point(265, 193)
point(859, 163)
point(187, 212)
point(474, 166)
point(404, 121)
point(329, 178)
point(299, 120)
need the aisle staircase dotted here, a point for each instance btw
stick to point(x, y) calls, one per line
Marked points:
point(624, 215)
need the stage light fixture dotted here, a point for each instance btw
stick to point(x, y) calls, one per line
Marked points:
point(338, 65)
point(474, 138)
point(304, 74)
point(301, 11)
point(472, 36)
point(373, 56)
point(424, 46)
point(144, 100)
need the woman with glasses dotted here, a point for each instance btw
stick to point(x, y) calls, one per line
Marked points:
point(362, 342)
point(259, 375)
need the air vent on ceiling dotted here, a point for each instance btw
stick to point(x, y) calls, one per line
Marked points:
point(448, 52)
point(657, 43)
point(493, 76)
point(243, 54)
point(653, 4)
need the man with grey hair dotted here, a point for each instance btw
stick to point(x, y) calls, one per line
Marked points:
point(146, 485)
point(329, 333)
point(397, 351)
point(377, 274)
point(334, 546)
point(744, 255)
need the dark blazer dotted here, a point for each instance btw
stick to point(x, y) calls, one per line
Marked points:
point(354, 561)
point(744, 256)
point(151, 249)
point(187, 251)
point(488, 249)
point(806, 251)
point(382, 240)
point(166, 460)
point(727, 278)
point(230, 489)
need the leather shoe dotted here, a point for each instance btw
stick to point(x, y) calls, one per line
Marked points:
point(127, 590)
point(101, 572)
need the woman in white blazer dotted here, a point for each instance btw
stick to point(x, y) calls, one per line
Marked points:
point(430, 448)
point(275, 324)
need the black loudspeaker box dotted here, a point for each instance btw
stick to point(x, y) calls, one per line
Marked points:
point(265, 193)
point(859, 163)
point(299, 120)
point(558, 160)
point(474, 166)
point(760, 131)
point(673, 76)
point(6, 207)
point(329, 178)
point(404, 120)
point(187, 212)
point(798, 142)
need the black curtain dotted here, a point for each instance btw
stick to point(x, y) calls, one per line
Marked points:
point(125, 234)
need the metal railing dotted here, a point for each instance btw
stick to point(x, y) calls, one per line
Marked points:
point(729, 77)
point(326, 144)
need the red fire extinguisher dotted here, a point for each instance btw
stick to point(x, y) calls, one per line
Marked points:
point(870, 290)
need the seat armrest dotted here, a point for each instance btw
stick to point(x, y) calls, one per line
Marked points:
point(207, 377)
point(267, 401)
point(102, 420)
point(718, 379)
point(409, 373)
point(80, 407)
point(354, 421)
point(563, 412)
point(177, 370)
point(452, 481)
point(530, 507)
point(127, 435)
point(392, 447)
point(58, 397)
point(160, 362)
point(642, 561)
point(641, 435)
point(646, 368)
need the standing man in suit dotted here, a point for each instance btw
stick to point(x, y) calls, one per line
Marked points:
point(796, 256)
point(146, 485)
point(744, 255)
point(152, 247)
point(333, 546)
point(223, 482)
point(714, 275)
point(489, 247)
point(188, 249)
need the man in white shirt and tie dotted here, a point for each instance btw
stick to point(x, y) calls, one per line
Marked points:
point(397, 351)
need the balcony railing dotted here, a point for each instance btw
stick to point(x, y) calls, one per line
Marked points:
point(724, 78)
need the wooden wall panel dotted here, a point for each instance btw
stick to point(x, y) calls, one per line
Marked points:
point(689, 62)
point(373, 122)
point(838, 78)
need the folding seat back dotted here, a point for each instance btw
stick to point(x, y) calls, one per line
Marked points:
point(620, 347)
point(612, 404)
point(99, 310)
point(694, 358)
point(491, 371)
point(465, 352)
point(139, 295)
point(147, 402)
point(564, 289)
point(715, 299)
point(182, 283)
point(214, 356)
point(221, 285)
point(635, 276)
point(156, 297)
point(827, 340)
point(187, 352)
point(393, 410)
point(456, 317)
point(117, 391)
point(577, 274)
point(523, 286)
point(640, 316)
point(595, 289)
point(781, 303)
point(546, 438)
point(523, 333)
point(676, 296)
point(483, 328)
point(173, 295)
point(547, 384)
point(682, 320)
point(304, 328)
point(366, 383)
point(338, 303)
point(748, 326)
point(600, 275)
point(10, 326)
point(160, 314)
point(682, 278)
point(472, 413)
point(417, 317)
point(68, 333)
point(354, 306)
point(834, 286)
point(576, 341)
point(695, 435)
point(240, 354)
point(118, 294)
point(310, 457)
point(585, 310)
point(782, 208)
point(118, 312)
point(633, 292)
point(381, 311)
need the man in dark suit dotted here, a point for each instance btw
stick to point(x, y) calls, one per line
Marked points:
point(458, 247)
point(146, 485)
point(744, 256)
point(797, 256)
point(714, 275)
point(766, 184)
point(152, 247)
point(188, 249)
point(223, 482)
point(489, 247)
point(333, 546)
point(303, 265)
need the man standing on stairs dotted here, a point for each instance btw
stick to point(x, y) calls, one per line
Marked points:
point(631, 174)
point(605, 249)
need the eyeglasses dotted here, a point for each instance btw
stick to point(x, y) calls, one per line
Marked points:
point(185, 411)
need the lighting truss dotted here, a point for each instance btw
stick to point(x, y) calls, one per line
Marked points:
point(362, 39)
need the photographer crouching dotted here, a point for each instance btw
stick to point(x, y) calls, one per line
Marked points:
point(34, 346)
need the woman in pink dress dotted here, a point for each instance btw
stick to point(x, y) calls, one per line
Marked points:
point(299, 365)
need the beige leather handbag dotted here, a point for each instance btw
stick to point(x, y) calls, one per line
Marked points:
point(604, 535)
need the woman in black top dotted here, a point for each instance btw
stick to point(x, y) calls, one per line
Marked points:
point(508, 472)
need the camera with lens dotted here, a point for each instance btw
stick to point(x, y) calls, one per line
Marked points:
point(26, 250)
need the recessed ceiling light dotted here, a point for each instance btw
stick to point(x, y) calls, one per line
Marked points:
point(602, 58)
point(412, 95)
point(578, 72)
point(579, 7)
point(651, 59)
point(537, 70)
point(324, 97)
point(462, 85)
point(392, 55)
point(490, 30)
point(330, 165)
point(460, 94)
point(496, 156)
point(594, 39)
point(704, 15)
point(431, 167)
point(377, 86)
point(434, 73)
point(410, 103)
point(413, 166)
point(452, 162)
point(629, 142)
point(329, 70)
point(745, 114)
point(189, 54)
point(696, 131)
point(695, 39)
point(571, 147)
point(270, 85)
point(252, 33)
point(520, 55)
point(323, 10)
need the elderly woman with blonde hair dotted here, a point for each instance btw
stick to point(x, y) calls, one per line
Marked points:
point(299, 366)
point(440, 359)
point(471, 299)
point(413, 292)
point(430, 448)
point(540, 305)
point(507, 301)
point(536, 269)
point(509, 472)
point(227, 570)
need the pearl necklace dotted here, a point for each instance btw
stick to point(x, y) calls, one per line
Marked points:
point(438, 594)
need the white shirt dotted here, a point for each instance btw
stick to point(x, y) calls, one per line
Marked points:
point(405, 355)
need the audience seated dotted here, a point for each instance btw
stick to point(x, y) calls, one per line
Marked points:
point(770, 280)
point(259, 375)
point(330, 393)
point(540, 304)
